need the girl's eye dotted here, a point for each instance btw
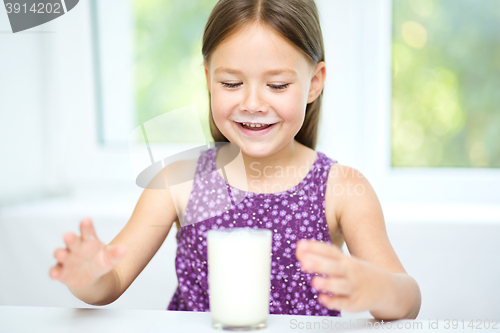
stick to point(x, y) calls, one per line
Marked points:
point(273, 86)
point(230, 85)
point(279, 87)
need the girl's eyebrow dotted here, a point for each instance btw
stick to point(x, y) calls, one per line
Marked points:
point(268, 72)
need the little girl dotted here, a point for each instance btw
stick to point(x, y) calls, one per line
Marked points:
point(265, 71)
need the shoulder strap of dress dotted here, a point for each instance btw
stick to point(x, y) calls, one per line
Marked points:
point(324, 165)
point(205, 163)
point(211, 153)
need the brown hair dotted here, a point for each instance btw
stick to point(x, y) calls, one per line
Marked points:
point(295, 20)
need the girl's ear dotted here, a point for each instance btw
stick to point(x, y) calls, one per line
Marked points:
point(317, 82)
point(207, 76)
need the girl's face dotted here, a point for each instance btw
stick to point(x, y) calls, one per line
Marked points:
point(258, 77)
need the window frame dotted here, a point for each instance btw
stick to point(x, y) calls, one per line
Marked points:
point(366, 98)
point(356, 119)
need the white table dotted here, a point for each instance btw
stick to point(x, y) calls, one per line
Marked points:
point(52, 319)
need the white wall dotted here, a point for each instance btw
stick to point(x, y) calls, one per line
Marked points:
point(22, 114)
point(455, 264)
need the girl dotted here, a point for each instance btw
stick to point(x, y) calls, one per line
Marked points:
point(265, 72)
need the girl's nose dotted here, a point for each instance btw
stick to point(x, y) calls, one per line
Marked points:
point(253, 101)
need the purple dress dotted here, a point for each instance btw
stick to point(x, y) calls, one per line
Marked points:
point(298, 213)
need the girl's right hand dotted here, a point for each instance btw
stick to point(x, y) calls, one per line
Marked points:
point(85, 259)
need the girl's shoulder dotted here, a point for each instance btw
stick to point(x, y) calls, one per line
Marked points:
point(347, 189)
point(345, 178)
point(338, 172)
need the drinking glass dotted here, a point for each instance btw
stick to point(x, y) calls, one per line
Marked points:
point(239, 270)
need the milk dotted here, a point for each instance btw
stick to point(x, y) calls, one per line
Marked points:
point(239, 270)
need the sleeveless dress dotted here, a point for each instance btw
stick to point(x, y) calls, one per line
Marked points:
point(298, 213)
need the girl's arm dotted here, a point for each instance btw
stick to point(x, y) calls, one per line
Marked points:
point(371, 279)
point(123, 258)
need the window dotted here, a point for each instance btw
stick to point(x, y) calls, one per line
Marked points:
point(357, 127)
point(362, 38)
point(446, 74)
point(168, 61)
point(148, 62)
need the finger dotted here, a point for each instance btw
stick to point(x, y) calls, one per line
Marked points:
point(55, 271)
point(114, 253)
point(314, 263)
point(338, 286)
point(61, 254)
point(72, 241)
point(319, 247)
point(87, 230)
point(335, 302)
point(302, 249)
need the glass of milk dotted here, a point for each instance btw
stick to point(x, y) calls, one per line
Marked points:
point(239, 271)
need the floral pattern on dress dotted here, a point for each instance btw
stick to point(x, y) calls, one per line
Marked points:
point(298, 213)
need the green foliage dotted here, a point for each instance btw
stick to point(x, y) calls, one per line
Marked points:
point(169, 64)
point(446, 83)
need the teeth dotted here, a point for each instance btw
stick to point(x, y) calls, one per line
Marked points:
point(255, 125)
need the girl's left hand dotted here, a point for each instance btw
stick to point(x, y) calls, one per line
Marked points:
point(357, 285)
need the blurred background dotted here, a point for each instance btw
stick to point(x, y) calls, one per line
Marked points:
point(411, 100)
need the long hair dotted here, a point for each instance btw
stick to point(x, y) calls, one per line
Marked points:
point(295, 20)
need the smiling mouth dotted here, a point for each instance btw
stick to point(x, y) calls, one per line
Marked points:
point(255, 127)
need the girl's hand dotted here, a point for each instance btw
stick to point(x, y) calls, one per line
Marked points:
point(357, 285)
point(85, 259)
